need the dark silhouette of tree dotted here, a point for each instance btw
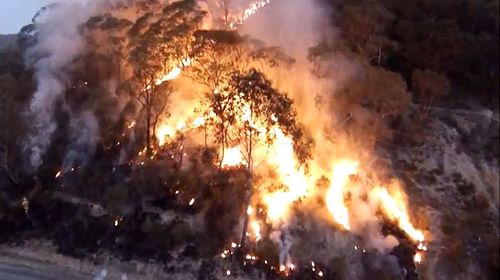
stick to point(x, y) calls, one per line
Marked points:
point(115, 47)
point(364, 27)
point(429, 85)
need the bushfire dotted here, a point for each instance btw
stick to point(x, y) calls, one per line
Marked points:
point(298, 182)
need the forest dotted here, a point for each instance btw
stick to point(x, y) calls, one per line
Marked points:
point(270, 139)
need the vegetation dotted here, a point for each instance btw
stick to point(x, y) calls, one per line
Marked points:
point(430, 52)
point(458, 39)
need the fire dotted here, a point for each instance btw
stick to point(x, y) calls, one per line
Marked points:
point(395, 209)
point(256, 230)
point(283, 156)
point(174, 73)
point(280, 156)
point(198, 122)
point(58, 174)
point(335, 196)
point(417, 258)
point(248, 12)
point(232, 157)
point(165, 132)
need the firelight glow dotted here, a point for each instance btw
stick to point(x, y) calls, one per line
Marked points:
point(335, 196)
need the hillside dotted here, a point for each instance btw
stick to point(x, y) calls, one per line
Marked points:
point(7, 41)
point(252, 139)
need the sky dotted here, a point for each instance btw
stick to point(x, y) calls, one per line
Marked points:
point(14, 14)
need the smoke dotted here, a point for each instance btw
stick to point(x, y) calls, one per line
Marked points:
point(295, 26)
point(58, 43)
point(83, 140)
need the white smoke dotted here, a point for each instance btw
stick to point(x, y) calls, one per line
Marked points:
point(58, 43)
point(84, 131)
point(295, 26)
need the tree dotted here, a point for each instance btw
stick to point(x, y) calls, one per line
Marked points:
point(255, 110)
point(115, 31)
point(220, 53)
point(364, 28)
point(429, 85)
point(160, 43)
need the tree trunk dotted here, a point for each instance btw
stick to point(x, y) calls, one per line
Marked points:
point(148, 133)
point(248, 194)
point(249, 181)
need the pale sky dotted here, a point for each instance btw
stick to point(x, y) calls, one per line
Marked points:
point(14, 14)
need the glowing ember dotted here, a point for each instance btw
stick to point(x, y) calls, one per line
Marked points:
point(232, 157)
point(256, 230)
point(250, 210)
point(58, 174)
point(335, 196)
point(421, 246)
point(395, 209)
point(25, 204)
point(417, 258)
point(228, 272)
point(191, 202)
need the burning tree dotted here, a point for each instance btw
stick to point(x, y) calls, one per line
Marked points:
point(221, 54)
point(160, 46)
point(257, 112)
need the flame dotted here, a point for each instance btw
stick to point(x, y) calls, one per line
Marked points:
point(248, 12)
point(58, 174)
point(417, 258)
point(395, 209)
point(175, 72)
point(256, 230)
point(198, 122)
point(335, 195)
point(165, 132)
point(232, 157)
point(283, 156)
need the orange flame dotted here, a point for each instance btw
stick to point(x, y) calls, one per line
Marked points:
point(232, 157)
point(335, 196)
point(395, 209)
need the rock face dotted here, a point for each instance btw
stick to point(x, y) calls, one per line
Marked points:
point(450, 169)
